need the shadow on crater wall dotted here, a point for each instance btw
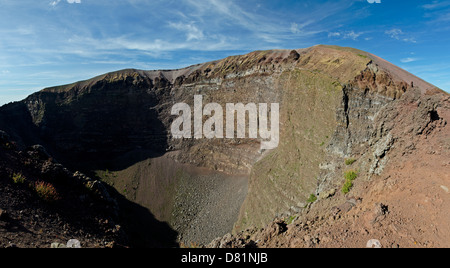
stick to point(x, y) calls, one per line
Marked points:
point(88, 132)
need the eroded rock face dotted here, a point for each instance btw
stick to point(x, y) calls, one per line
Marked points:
point(106, 118)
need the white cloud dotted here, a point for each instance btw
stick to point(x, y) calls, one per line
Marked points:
point(407, 60)
point(192, 32)
point(436, 5)
point(398, 34)
point(263, 25)
point(56, 2)
point(346, 35)
point(229, 12)
point(352, 35)
point(156, 47)
point(438, 12)
point(299, 28)
point(409, 40)
point(394, 33)
point(294, 28)
point(334, 34)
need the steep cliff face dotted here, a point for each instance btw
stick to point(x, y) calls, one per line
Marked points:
point(332, 98)
point(118, 127)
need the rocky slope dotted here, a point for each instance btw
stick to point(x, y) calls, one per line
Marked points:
point(399, 199)
point(44, 205)
point(335, 104)
point(72, 206)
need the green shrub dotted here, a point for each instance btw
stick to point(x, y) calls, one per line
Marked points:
point(350, 161)
point(46, 191)
point(312, 198)
point(18, 178)
point(347, 187)
point(350, 176)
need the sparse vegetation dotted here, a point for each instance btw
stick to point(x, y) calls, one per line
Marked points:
point(290, 220)
point(350, 161)
point(46, 191)
point(350, 176)
point(18, 178)
point(108, 174)
point(348, 185)
point(312, 198)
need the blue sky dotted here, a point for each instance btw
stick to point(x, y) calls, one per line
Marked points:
point(52, 42)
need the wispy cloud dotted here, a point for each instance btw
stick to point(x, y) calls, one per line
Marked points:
point(345, 35)
point(191, 31)
point(436, 5)
point(394, 33)
point(352, 35)
point(295, 28)
point(438, 12)
point(56, 2)
point(155, 48)
point(265, 25)
point(334, 34)
point(398, 34)
point(223, 14)
point(407, 60)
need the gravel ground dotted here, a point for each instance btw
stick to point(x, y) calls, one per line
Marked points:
point(207, 206)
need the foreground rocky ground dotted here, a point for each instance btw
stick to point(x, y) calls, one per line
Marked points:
point(43, 203)
point(74, 207)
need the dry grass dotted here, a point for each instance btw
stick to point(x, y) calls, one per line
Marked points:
point(46, 191)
